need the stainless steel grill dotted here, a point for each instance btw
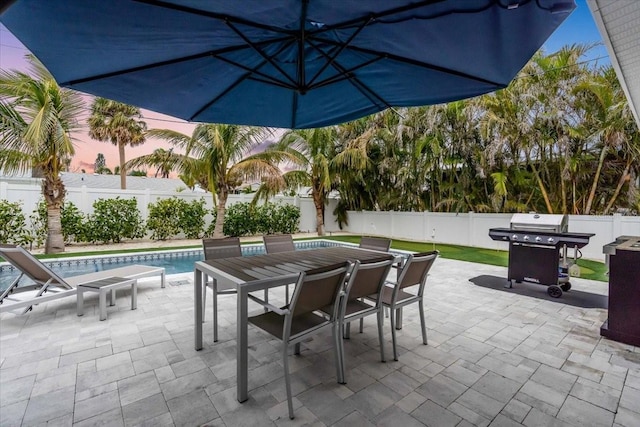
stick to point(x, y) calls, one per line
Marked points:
point(540, 222)
point(534, 244)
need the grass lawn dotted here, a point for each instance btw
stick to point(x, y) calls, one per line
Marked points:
point(589, 269)
point(592, 270)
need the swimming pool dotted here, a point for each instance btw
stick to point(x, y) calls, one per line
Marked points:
point(180, 261)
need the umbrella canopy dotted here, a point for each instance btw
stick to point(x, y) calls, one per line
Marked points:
point(283, 63)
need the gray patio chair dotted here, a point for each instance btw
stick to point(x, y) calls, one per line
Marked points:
point(218, 249)
point(296, 322)
point(276, 243)
point(413, 273)
point(365, 279)
point(375, 243)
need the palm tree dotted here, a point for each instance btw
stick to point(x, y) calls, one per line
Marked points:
point(36, 119)
point(119, 123)
point(219, 157)
point(314, 151)
point(163, 160)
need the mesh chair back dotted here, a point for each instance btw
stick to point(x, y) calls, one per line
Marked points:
point(416, 269)
point(319, 288)
point(31, 266)
point(368, 279)
point(221, 248)
point(375, 243)
point(275, 243)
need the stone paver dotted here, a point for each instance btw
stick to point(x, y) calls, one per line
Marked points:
point(495, 358)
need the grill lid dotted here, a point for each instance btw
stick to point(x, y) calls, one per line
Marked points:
point(544, 222)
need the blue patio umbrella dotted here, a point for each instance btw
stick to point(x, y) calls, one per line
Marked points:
point(283, 63)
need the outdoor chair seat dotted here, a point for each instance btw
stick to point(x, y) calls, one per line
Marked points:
point(295, 323)
point(414, 272)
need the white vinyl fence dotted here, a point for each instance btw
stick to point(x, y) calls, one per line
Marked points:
point(472, 229)
point(468, 229)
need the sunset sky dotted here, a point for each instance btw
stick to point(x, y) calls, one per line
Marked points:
point(578, 28)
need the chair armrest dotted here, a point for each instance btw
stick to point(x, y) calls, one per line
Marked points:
point(271, 307)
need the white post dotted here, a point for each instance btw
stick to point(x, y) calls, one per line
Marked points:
point(4, 190)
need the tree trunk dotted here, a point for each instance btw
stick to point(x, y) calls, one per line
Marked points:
point(221, 209)
point(543, 190)
point(53, 192)
point(625, 177)
point(123, 171)
point(319, 204)
point(596, 178)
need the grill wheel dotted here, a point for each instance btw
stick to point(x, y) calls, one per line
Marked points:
point(554, 291)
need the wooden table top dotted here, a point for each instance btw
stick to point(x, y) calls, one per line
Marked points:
point(261, 267)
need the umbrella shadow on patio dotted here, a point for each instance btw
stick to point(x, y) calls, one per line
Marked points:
point(574, 297)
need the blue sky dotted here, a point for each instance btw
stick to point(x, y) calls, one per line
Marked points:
point(579, 27)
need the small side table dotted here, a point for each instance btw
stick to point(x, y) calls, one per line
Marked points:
point(103, 286)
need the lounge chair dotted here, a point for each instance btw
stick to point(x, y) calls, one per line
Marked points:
point(49, 286)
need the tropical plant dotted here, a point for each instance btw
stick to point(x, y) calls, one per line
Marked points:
point(313, 155)
point(13, 224)
point(113, 220)
point(219, 158)
point(118, 123)
point(36, 121)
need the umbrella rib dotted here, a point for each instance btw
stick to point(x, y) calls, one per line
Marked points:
point(214, 15)
point(339, 51)
point(301, 54)
point(214, 53)
point(345, 76)
point(242, 78)
point(362, 88)
point(414, 62)
point(259, 51)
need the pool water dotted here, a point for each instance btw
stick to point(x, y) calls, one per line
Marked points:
point(173, 261)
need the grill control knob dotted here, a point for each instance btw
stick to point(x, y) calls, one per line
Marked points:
point(538, 238)
point(514, 237)
point(525, 238)
point(550, 240)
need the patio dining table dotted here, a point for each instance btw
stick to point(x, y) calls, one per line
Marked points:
point(259, 272)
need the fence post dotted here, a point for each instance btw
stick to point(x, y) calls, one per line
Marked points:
point(616, 225)
point(84, 200)
point(470, 221)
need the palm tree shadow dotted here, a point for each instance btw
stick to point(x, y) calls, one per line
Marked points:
point(573, 297)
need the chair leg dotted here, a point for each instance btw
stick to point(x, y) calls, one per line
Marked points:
point(422, 322)
point(287, 380)
point(204, 299)
point(393, 332)
point(266, 299)
point(361, 324)
point(338, 347)
point(297, 349)
point(347, 331)
point(380, 334)
point(214, 287)
point(286, 294)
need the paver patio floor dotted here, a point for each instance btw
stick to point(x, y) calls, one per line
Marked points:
point(499, 357)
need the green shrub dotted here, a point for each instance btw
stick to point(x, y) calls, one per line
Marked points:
point(244, 219)
point(39, 223)
point(72, 220)
point(192, 219)
point(239, 220)
point(162, 218)
point(13, 225)
point(287, 219)
point(113, 220)
point(168, 217)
